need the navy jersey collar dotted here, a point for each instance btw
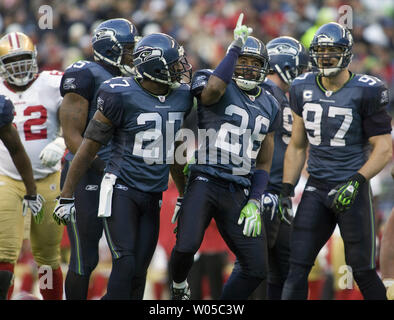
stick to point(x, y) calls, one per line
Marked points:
point(322, 88)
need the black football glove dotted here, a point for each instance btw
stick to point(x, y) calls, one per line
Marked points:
point(285, 205)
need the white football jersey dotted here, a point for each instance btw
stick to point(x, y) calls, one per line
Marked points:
point(36, 119)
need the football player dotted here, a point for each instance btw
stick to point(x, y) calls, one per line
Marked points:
point(288, 59)
point(36, 99)
point(113, 43)
point(243, 116)
point(340, 114)
point(134, 112)
point(10, 138)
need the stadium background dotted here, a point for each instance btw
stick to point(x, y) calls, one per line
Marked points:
point(204, 28)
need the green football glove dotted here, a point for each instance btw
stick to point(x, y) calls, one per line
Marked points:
point(345, 193)
point(241, 32)
point(251, 214)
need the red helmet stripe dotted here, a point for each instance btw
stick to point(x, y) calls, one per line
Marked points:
point(17, 40)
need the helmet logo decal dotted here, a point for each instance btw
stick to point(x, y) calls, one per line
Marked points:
point(324, 38)
point(283, 49)
point(104, 34)
point(148, 53)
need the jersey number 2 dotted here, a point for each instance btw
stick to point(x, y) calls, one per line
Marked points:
point(37, 121)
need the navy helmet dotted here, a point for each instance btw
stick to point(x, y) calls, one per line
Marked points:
point(109, 40)
point(255, 48)
point(287, 57)
point(160, 58)
point(331, 35)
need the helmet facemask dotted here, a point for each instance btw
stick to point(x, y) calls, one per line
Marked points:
point(330, 59)
point(248, 76)
point(19, 68)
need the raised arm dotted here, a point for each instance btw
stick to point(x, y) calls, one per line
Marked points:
point(223, 73)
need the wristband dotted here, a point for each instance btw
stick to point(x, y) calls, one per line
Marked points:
point(225, 69)
point(259, 183)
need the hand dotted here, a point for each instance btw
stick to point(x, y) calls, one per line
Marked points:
point(251, 214)
point(176, 209)
point(285, 209)
point(269, 202)
point(64, 209)
point(53, 152)
point(345, 193)
point(35, 203)
point(241, 32)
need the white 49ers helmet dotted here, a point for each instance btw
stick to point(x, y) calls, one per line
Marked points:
point(18, 59)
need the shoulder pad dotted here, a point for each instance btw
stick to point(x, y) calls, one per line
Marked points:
point(304, 78)
point(365, 80)
point(79, 65)
point(117, 84)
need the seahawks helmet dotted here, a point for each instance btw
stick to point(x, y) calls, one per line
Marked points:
point(287, 57)
point(109, 40)
point(249, 77)
point(331, 35)
point(160, 58)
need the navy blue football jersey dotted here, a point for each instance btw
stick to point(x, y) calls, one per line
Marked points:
point(84, 78)
point(282, 135)
point(232, 130)
point(145, 126)
point(335, 122)
point(6, 111)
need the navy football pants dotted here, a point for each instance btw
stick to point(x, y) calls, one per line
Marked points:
point(314, 224)
point(206, 198)
point(132, 232)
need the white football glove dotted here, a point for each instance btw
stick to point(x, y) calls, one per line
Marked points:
point(53, 152)
point(269, 203)
point(65, 208)
point(35, 203)
point(241, 32)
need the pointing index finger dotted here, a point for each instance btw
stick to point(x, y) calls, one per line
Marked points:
point(240, 19)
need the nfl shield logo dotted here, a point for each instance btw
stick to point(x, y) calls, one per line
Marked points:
point(162, 98)
point(252, 98)
point(328, 93)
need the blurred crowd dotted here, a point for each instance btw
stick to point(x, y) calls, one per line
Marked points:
point(204, 28)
